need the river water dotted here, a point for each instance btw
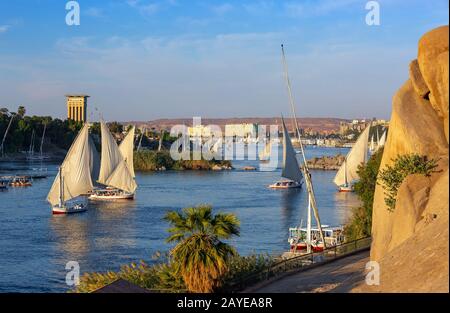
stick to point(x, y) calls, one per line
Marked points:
point(35, 246)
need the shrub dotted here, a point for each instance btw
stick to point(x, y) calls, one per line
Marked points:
point(360, 222)
point(391, 177)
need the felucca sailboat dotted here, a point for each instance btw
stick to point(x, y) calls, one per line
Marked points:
point(348, 172)
point(116, 167)
point(291, 170)
point(74, 175)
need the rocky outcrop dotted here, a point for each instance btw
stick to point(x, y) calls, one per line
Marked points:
point(411, 243)
point(326, 162)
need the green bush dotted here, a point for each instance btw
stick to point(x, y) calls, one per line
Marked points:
point(160, 276)
point(360, 223)
point(240, 267)
point(151, 160)
point(392, 177)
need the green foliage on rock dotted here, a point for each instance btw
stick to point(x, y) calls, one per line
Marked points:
point(360, 223)
point(391, 177)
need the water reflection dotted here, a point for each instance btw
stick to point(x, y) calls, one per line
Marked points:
point(291, 205)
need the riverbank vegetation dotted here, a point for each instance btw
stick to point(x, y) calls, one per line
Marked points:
point(360, 223)
point(151, 160)
point(201, 260)
point(59, 134)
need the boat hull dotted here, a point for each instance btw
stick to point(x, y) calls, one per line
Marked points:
point(345, 188)
point(56, 210)
point(285, 185)
point(96, 197)
point(303, 247)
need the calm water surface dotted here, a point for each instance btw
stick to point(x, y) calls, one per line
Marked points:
point(35, 246)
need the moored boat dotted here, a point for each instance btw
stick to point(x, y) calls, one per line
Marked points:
point(298, 238)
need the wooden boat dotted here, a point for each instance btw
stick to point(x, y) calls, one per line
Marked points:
point(116, 168)
point(348, 172)
point(74, 176)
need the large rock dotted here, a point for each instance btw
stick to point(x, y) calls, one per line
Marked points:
point(433, 63)
point(416, 233)
point(420, 263)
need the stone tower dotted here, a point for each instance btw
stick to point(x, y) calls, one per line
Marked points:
point(77, 107)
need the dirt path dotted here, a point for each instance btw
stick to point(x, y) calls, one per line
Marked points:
point(338, 276)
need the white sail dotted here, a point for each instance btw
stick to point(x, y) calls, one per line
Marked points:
point(95, 161)
point(265, 153)
point(126, 148)
point(110, 156)
point(76, 170)
point(291, 169)
point(357, 155)
point(121, 178)
point(372, 144)
point(382, 140)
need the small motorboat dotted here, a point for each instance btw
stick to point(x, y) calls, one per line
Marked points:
point(21, 181)
point(64, 209)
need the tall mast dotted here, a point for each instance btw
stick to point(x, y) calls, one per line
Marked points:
point(42, 139)
point(61, 188)
point(31, 149)
point(345, 171)
point(140, 140)
point(305, 169)
point(6, 133)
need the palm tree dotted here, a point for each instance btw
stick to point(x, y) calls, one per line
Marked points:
point(200, 256)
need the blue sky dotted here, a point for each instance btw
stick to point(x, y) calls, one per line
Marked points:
point(147, 59)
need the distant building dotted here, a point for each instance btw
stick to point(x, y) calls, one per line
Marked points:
point(245, 130)
point(77, 107)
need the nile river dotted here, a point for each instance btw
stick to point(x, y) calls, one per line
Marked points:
point(35, 246)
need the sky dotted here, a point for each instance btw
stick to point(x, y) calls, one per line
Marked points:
point(147, 59)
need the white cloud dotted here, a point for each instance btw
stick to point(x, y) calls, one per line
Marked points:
point(317, 7)
point(222, 8)
point(4, 28)
point(145, 8)
point(94, 12)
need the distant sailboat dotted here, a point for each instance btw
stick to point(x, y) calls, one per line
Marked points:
point(264, 155)
point(75, 175)
point(31, 148)
point(372, 147)
point(116, 167)
point(382, 140)
point(347, 173)
point(291, 169)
